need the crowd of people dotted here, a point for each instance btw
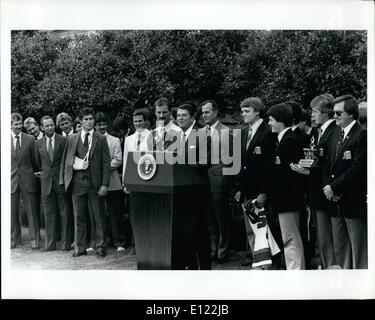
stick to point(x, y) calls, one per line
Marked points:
point(75, 171)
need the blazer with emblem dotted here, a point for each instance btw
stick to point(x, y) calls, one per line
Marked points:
point(347, 173)
point(99, 158)
point(255, 160)
point(316, 195)
point(283, 185)
point(50, 169)
point(22, 170)
point(218, 181)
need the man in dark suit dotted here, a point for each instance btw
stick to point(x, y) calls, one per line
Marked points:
point(55, 199)
point(321, 208)
point(345, 182)
point(85, 169)
point(257, 147)
point(220, 184)
point(23, 182)
point(197, 249)
point(283, 185)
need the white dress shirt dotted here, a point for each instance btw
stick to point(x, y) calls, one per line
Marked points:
point(53, 141)
point(348, 128)
point(68, 134)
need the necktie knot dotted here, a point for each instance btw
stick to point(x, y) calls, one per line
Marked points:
point(17, 137)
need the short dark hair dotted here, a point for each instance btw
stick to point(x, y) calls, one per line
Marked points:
point(306, 117)
point(282, 112)
point(350, 105)
point(215, 106)
point(46, 118)
point(85, 112)
point(162, 102)
point(189, 107)
point(100, 117)
point(120, 123)
point(15, 116)
point(297, 111)
point(255, 103)
point(141, 112)
point(324, 103)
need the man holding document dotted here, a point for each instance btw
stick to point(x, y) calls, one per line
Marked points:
point(85, 171)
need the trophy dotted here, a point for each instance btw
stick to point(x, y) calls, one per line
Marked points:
point(310, 155)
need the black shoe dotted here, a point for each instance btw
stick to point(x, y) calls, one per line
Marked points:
point(78, 254)
point(100, 253)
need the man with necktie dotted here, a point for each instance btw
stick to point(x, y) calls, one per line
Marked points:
point(23, 182)
point(85, 171)
point(55, 199)
point(65, 123)
point(345, 183)
point(257, 146)
point(219, 213)
point(321, 208)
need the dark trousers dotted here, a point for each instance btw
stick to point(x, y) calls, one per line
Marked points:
point(95, 204)
point(115, 206)
point(56, 205)
point(219, 224)
point(30, 203)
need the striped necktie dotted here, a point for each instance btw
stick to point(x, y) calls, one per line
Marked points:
point(249, 136)
point(139, 141)
point(339, 143)
point(18, 147)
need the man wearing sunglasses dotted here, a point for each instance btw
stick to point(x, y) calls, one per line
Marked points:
point(345, 182)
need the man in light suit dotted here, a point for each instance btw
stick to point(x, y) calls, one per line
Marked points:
point(345, 182)
point(115, 198)
point(55, 199)
point(219, 213)
point(23, 182)
point(85, 171)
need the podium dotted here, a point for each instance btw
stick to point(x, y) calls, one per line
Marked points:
point(167, 211)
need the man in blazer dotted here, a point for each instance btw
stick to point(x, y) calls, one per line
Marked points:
point(321, 208)
point(345, 182)
point(283, 185)
point(23, 182)
point(219, 215)
point(257, 147)
point(55, 199)
point(85, 171)
point(115, 196)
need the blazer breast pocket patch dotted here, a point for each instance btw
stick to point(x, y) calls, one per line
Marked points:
point(257, 150)
point(347, 155)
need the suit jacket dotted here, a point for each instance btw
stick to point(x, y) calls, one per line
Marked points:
point(22, 170)
point(347, 173)
point(283, 185)
point(302, 137)
point(317, 199)
point(218, 182)
point(255, 160)
point(99, 157)
point(116, 160)
point(50, 170)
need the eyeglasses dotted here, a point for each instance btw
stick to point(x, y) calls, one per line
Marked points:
point(338, 113)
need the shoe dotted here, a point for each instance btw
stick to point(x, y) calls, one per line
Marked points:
point(78, 254)
point(66, 249)
point(90, 251)
point(35, 248)
point(100, 253)
point(119, 249)
point(47, 250)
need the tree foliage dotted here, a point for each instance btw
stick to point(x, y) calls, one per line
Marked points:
point(113, 70)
